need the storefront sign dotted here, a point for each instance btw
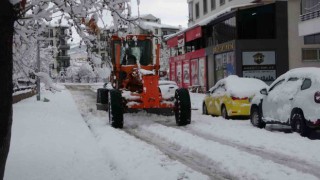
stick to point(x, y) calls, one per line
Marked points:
point(193, 34)
point(181, 41)
point(260, 65)
point(172, 71)
point(179, 73)
point(202, 72)
point(224, 47)
point(194, 72)
point(173, 42)
point(186, 74)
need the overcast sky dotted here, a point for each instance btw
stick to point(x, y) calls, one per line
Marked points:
point(171, 12)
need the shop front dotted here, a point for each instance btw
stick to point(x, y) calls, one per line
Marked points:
point(189, 69)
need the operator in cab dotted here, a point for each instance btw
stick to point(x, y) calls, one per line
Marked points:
point(129, 59)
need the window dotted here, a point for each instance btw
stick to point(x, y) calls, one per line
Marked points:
point(312, 39)
point(224, 31)
point(156, 31)
point(222, 2)
point(197, 10)
point(308, 6)
point(51, 33)
point(310, 55)
point(213, 5)
point(277, 84)
point(306, 84)
point(190, 6)
point(220, 89)
point(205, 7)
point(257, 23)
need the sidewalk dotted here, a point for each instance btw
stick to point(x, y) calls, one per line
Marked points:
point(51, 141)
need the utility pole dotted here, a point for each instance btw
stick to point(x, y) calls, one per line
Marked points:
point(38, 66)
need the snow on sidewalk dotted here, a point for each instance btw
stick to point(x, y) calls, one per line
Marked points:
point(51, 141)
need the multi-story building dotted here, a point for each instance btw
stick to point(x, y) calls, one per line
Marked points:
point(249, 40)
point(202, 9)
point(304, 33)
point(57, 36)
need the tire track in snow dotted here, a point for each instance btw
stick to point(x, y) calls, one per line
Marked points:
point(191, 159)
point(201, 163)
point(279, 158)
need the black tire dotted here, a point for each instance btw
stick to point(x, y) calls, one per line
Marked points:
point(115, 109)
point(256, 119)
point(224, 112)
point(298, 124)
point(182, 109)
point(204, 109)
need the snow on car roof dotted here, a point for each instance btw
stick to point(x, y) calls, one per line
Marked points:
point(242, 87)
point(311, 72)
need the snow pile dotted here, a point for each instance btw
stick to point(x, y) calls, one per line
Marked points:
point(51, 141)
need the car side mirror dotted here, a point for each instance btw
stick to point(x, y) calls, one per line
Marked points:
point(264, 91)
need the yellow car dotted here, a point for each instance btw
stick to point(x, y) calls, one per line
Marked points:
point(231, 96)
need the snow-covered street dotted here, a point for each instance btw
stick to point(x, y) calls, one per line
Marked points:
point(68, 138)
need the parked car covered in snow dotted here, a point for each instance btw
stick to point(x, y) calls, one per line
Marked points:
point(231, 96)
point(292, 99)
point(168, 88)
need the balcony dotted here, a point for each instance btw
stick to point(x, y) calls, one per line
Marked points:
point(309, 23)
point(310, 15)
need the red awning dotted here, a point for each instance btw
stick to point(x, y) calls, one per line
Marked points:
point(193, 34)
point(172, 42)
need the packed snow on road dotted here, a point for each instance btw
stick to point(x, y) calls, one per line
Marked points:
point(67, 138)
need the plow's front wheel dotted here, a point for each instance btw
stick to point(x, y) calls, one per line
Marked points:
point(115, 109)
point(182, 107)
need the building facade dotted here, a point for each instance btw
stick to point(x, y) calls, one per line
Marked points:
point(248, 41)
point(201, 9)
point(304, 33)
point(57, 36)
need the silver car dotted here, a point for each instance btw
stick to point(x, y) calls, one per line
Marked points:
point(292, 99)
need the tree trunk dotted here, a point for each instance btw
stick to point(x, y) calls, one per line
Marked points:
point(7, 18)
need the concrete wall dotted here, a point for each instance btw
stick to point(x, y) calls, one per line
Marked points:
point(296, 42)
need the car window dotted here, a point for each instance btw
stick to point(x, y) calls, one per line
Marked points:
point(213, 91)
point(277, 84)
point(306, 84)
point(221, 88)
point(293, 79)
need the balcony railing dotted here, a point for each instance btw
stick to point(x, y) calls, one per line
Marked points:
point(310, 15)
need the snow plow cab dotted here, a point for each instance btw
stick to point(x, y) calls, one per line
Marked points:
point(135, 81)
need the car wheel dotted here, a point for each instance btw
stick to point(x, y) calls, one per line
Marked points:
point(255, 118)
point(115, 109)
point(204, 109)
point(224, 112)
point(299, 125)
point(182, 107)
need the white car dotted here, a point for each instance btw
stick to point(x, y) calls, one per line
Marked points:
point(168, 89)
point(292, 99)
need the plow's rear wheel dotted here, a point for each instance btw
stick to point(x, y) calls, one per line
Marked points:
point(115, 109)
point(182, 107)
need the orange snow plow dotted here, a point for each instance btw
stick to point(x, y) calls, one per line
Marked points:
point(136, 85)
